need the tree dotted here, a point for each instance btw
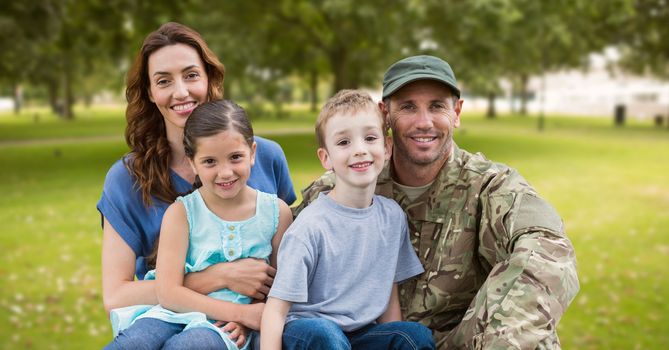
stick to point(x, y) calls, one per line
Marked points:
point(25, 27)
point(516, 39)
point(349, 41)
point(643, 37)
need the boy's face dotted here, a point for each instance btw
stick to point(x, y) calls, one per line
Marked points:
point(355, 148)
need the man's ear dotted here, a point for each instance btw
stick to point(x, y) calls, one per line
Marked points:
point(324, 157)
point(388, 147)
point(458, 110)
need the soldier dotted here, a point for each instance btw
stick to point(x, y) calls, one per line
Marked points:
point(499, 269)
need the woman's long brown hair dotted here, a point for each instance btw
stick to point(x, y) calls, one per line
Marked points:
point(145, 133)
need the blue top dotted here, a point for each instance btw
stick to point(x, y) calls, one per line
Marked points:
point(339, 263)
point(121, 201)
point(212, 240)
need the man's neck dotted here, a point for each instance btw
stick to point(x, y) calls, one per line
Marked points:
point(415, 175)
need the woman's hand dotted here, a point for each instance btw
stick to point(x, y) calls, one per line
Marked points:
point(250, 277)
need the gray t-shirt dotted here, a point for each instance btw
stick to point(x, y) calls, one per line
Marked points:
point(339, 263)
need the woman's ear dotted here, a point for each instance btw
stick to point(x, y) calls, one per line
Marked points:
point(324, 157)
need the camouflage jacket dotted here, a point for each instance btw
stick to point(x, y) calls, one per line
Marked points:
point(499, 270)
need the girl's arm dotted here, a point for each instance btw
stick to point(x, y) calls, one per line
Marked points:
point(252, 277)
point(119, 287)
point(285, 219)
point(393, 312)
point(273, 320)
point(173, 295)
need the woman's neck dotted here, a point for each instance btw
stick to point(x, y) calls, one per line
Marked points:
point(178, 160)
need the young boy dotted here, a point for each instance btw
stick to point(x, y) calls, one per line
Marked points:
point(340, 261)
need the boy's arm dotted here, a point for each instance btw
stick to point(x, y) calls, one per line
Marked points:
point(393, 312)
point(273, 320)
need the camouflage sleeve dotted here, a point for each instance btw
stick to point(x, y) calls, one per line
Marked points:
point(310, 193)
point(532, 279)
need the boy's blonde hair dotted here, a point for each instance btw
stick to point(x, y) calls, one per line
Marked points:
point(346, 102)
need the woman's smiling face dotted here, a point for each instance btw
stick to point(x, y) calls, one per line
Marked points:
point(178, 83)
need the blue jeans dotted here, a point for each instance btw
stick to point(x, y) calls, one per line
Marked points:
point(149, 333)
point(316, 333)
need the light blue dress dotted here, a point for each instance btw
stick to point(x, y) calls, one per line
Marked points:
point(212, 240)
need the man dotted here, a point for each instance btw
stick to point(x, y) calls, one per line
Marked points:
point(499, 269)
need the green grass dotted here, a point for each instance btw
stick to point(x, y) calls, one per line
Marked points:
point(609, 184)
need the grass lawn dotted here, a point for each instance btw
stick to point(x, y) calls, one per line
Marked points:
point(609, 184)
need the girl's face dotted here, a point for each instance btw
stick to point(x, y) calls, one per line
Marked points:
point(223, 163)
point(178, 83)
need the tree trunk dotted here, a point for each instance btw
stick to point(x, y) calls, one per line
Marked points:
point(514, 97)
point(313, 89)
point(340, 70)
point(18, 98)
point(52, 87)
point(68, 114)
point(524, 94)
point(491, 105)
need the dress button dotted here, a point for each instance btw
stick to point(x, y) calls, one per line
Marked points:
point(231, 252)
point(231, 227)
point(231, 237)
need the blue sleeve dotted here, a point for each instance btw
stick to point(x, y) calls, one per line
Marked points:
point(270, 172)
point(121, 204)
point(115, 205)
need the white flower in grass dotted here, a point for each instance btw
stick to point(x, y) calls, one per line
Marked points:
point(40, 308)
point(16, 309)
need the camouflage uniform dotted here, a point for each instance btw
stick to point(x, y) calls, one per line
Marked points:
point(499, 270)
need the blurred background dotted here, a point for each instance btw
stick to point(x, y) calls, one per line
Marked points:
point(572, 93)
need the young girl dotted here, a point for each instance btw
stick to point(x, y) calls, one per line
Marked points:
point(223, 220)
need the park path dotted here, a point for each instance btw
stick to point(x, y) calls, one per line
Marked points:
point(111, 138)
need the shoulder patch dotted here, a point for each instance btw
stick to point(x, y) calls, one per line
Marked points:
point(536, 212)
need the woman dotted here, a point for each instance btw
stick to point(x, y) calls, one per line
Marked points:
point(173, 73)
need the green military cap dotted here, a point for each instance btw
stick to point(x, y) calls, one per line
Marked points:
point(415, 68)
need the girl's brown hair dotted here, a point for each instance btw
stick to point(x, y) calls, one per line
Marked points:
point(211, 118)
point(145, 131)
